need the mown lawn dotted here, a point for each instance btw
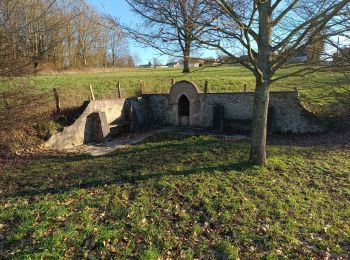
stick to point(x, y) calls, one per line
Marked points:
point(178, 196)
point(319, 91)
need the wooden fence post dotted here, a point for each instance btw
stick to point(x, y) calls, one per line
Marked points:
point(118, 90)
point(92, 93)
point(58, 102)
point(141, 87)
point(245, 88)
point(173, 82)
point(206, 86)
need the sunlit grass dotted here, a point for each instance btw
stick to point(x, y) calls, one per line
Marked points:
point(318, 90)
point(178, 196)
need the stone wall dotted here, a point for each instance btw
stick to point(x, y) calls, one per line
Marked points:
point(289, 114)
point(156, 109)
point(292, 116)
point(236, 106)
point(162, 109)
point(76, 134)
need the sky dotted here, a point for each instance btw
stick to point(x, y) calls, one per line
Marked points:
point(120, 9)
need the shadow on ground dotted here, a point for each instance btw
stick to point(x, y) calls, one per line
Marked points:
point(126, 178)
point(159, 156)
point(178, 156)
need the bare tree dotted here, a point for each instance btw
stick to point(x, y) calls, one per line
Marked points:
point(170, 26)
point(341, 42)
point(36, 34)
point(118, 45)
point(271, 32)
point(57, 34)
point(25, 33)
point(341, 60)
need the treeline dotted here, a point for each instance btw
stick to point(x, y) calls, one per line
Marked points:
point(57, 34)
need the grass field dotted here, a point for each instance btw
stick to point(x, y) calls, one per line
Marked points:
point(319, 90)
point(178, 196)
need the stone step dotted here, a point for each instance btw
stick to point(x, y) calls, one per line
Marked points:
point(119, 128)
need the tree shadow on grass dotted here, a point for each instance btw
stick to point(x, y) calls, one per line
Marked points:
point(149, 160)
point(120, 179)
point(115, 179)
point(139, 148)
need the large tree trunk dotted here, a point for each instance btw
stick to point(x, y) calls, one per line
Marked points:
point(187, 53)
point(263, 81)
point(186, 68)
point(259, 124)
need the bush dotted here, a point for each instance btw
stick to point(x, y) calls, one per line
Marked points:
point(24, 114)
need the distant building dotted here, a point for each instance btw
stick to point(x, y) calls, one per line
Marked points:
point(149, 65)
point(299, 57)
point(161, 66)
point(341, 55)
point(174, 64)
point(196, 63)
point(211, 62)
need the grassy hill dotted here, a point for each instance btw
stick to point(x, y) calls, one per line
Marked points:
point(325, 92)
point(319, 91)
point(178, 196)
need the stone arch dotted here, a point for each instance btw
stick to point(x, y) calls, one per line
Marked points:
point(188, 92)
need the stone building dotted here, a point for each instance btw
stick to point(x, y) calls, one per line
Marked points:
point(174, 64)
point(186, 106)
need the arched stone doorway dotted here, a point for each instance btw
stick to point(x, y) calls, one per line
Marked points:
point(184, 105)
point(184, 111)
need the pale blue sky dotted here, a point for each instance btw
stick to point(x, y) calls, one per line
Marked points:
point(121, 10)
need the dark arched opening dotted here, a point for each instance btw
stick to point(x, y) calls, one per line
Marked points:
point(184, 111)
point(271, 120)
point(184, 106)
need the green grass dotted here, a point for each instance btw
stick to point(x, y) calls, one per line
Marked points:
point(324, 92)
point(178, 196)
point(317, 90)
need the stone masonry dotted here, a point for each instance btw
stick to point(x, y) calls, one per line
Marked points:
point(220, 111)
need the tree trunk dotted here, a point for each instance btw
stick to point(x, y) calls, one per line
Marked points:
point(259, 124)
point(113, 56)
point(187, 53)
point(263, 81)
point(186, 68)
